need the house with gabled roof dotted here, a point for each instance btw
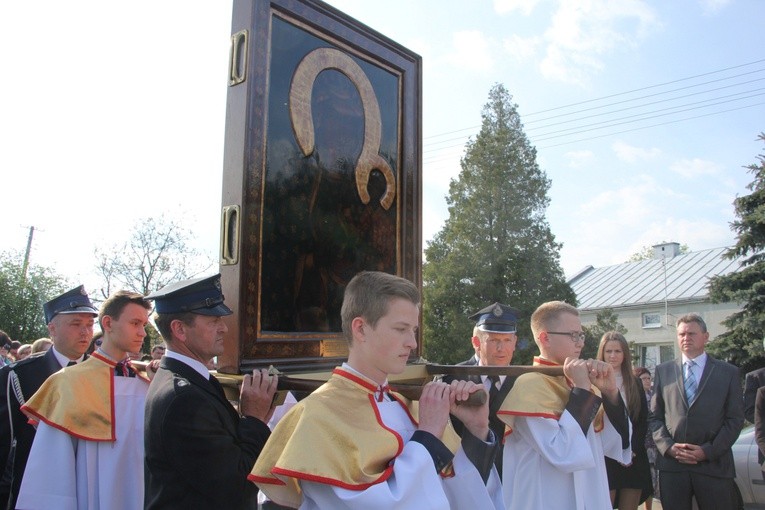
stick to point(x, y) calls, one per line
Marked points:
point(649, 295)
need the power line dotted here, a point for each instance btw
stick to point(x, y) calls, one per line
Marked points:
point(643, 116)
point(433, 147)
point(651, 126)
point(640, 105)
point(534, 141)
point(647, 87)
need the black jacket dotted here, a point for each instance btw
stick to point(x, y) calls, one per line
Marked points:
point(495, 402)
point(713, 421)
point(31, 372)
point(199, 451)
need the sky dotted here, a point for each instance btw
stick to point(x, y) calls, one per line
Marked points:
point(643, 113)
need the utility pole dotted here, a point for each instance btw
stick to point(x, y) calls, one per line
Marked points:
point(26, 254)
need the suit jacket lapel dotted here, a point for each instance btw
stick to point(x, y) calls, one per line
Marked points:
point(680, 381)
point(474, 378)
point(709, 367)
point(51, 363)
point(51, 366)
point(501, 394)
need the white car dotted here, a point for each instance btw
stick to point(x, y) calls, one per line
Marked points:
point(748, 473)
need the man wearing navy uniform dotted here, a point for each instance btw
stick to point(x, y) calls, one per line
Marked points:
point(494, 339)
point(199, 449)
point(70, 318)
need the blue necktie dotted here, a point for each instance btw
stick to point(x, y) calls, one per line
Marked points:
point(690, 382)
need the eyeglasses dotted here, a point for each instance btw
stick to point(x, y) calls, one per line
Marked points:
point(576, 336)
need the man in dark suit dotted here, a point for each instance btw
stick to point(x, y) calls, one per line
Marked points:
point(199, 450)
point(494, 339)
point(752, 382)
point(696, 416)
point(759, 426)
point(70, 318)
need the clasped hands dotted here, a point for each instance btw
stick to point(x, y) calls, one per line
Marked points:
point(686, 453)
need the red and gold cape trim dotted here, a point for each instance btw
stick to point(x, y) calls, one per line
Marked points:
point(336, 437)
point(79, 400)
point(541, 396)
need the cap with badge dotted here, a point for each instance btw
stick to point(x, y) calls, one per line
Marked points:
point(73, 301)
point(202, 296)
point(496, 318)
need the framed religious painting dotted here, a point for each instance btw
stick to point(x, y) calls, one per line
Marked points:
point(322, 177)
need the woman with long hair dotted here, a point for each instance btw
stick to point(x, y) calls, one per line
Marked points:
point(630, 485)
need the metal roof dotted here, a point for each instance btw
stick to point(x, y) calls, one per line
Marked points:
point(636, 283)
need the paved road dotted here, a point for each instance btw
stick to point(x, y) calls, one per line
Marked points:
point(656, 505)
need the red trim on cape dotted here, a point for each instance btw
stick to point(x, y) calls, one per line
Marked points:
point(337, 483)
point(397, 398)
point(30, 412)
point(113, 364)
point(358, 380)
point(531, 415)
point(546, 362)
point(330, 481)
point(264, 479)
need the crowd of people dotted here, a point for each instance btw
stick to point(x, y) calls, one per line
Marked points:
point(571, 434)
point(13, 350)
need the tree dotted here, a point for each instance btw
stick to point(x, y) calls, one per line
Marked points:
point(605, 320)
point(156, 254)
point(646, 252)
point(496, 244)
point(742, 343)
point(22, 296)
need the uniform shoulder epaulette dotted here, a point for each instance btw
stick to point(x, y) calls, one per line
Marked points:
point(26, 361)
point(180, 383)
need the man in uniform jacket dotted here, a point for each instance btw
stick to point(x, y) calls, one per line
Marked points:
point(70, 318)
point(696, 415)
point(199, 450)
point(494, 339)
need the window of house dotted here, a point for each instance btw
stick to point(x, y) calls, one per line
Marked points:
point(652, 320)
point(666, 353)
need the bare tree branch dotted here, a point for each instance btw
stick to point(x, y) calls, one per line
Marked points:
point(156, 254)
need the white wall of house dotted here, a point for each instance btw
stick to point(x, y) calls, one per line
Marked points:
point(652, 326)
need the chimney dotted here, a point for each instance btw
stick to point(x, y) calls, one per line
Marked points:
point(666, 250)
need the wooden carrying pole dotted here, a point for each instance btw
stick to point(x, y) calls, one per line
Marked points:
point(409, 384)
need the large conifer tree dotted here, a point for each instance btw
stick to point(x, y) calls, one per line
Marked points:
point(742, 344)
point(496, 244)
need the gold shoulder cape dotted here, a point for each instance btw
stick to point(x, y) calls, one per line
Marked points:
point(335, 437)
point(78, 400)
point(541, 396)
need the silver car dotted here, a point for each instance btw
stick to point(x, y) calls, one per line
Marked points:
point(748, 472)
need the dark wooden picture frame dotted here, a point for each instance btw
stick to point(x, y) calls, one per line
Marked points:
point(322, 177)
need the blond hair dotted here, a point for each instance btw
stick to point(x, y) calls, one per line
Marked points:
point(547, 314)
point(368, 294)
